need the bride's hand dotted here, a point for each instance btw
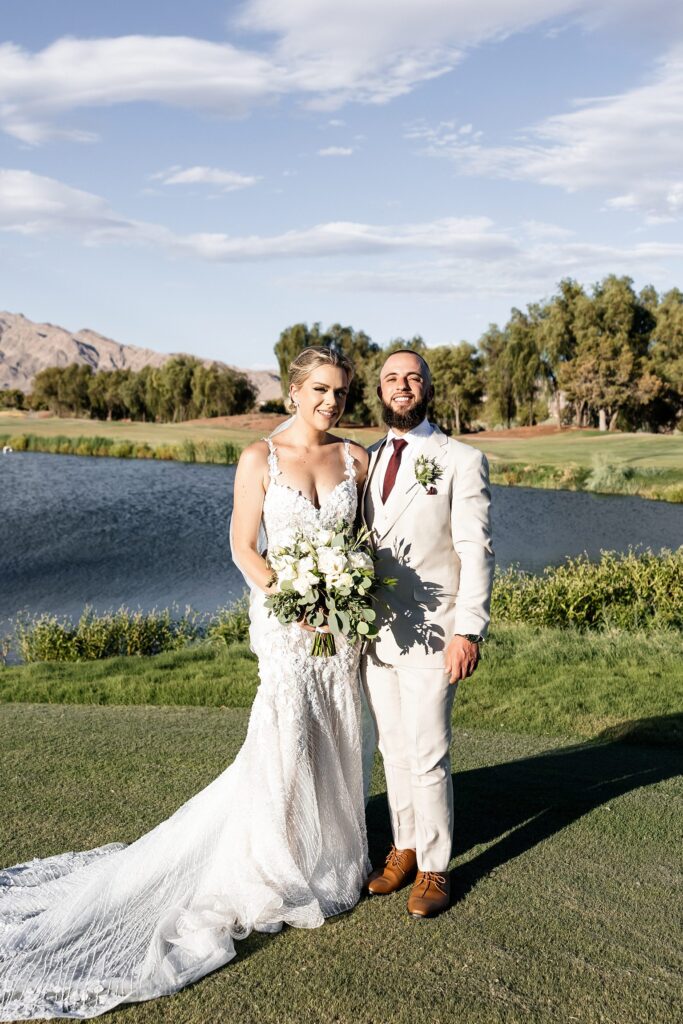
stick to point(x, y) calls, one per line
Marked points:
point(312, 629)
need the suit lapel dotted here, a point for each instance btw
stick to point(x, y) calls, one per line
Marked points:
point(433, 447)
point(374, 459)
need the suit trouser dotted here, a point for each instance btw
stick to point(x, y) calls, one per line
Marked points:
point(411, 708)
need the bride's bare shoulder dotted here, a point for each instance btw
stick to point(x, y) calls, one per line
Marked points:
point(254, 457)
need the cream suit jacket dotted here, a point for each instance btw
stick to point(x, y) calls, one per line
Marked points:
point(438, 546)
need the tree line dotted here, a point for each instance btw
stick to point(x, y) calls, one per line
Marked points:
point(605, 357)
point(182, 389)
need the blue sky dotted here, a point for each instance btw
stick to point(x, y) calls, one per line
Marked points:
point(197, 177)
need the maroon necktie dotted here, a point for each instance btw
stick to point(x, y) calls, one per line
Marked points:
point(392, 468)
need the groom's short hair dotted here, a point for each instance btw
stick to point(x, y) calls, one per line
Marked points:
point(412, 352)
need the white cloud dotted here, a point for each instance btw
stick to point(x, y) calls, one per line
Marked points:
point(336, 151)
point(36, 89)
point(31, 203)
point(227, 181)
point(629, 145)
point(326, 54)
point(449, 256)
point(532, 271)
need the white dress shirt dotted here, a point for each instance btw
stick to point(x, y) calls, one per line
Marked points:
point(415, 439)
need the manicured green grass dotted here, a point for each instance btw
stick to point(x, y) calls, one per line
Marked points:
point(661, 451)
point(154, 434)
point(532, 680)
point(649, 465)
point(564, 875)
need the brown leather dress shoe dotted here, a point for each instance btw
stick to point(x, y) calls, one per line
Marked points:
point(398, 870)
point(430, 895)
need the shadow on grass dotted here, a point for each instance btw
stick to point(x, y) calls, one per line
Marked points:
point(514, 806)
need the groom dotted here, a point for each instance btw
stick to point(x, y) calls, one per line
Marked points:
point(427, 501)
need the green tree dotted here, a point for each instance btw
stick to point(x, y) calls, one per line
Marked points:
point(221, 391)
point(133, 393)
point(500, 391)
point(666, 355)
point(12, 398)
point(523, 358)
point(172, 383)
point(106, 394)
point(612, 331)
point(64, 390)
point(556, 336)
point(458, 378)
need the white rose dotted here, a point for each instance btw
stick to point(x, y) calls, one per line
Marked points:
point(331, 561)
point(287, 539)
point(287, 572)
point(360, 560)
point(303, 582)
point(343, 580)
point(322, 538)
point(279, 558)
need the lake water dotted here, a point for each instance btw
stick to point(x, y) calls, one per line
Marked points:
point(108, 532)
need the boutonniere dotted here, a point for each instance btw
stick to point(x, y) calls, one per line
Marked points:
point(427, 472)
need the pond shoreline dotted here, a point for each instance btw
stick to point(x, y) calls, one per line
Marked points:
point(568, 477)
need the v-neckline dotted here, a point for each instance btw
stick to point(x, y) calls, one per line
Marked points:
point(300, 494)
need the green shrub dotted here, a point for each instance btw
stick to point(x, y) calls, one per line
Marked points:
point(611, 478)
point(632, 591)
point(230, 625)
point(123, 632)
point(48, 638)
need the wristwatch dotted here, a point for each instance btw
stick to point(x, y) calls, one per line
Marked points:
point(474, 638)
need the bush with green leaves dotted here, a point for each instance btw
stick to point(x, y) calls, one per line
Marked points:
point(123, 632)
point(631, 591)
point(636, 591)
point(230, 625)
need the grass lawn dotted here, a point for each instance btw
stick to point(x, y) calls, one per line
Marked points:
point(565, 869)
point(151, 433)
point(540, 681)
point(657, 451)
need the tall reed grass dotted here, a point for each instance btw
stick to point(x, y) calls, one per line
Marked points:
point(212, 452)
point(122, 632)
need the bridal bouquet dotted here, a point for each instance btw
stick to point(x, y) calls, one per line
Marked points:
point(326, 579)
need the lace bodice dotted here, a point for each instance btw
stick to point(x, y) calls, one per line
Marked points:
point(286, 510)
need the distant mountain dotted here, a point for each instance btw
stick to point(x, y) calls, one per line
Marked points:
point(27, 347)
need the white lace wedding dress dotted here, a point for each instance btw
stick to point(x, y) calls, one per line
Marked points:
point(278, 838)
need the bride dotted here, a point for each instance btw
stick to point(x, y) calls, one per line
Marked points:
point(279, 837)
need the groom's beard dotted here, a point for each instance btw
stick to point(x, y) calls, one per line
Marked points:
point(407, 420)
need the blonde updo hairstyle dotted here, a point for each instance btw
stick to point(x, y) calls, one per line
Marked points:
point(310, 359)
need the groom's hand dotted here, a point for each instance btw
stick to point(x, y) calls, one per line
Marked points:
point(461, 658)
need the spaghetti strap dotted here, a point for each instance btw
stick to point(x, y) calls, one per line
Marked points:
point(349, 461)
point(273, 466)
